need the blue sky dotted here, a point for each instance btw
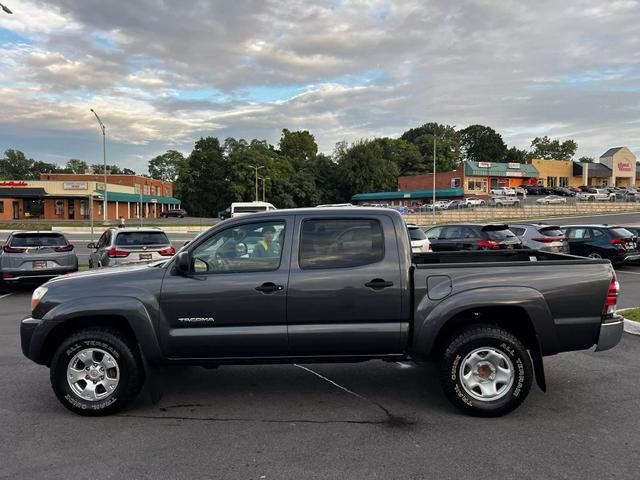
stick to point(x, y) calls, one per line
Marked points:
point(161, 77)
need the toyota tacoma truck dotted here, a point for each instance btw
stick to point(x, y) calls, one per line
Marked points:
point(321, 285)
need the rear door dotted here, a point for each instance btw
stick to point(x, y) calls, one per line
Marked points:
point(345, 287)
point(579, 239)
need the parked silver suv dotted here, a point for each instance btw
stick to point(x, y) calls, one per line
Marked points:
point(122, 246)
point(548, 238)
point(36, 255)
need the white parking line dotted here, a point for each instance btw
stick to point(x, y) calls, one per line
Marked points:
point(625, 271)
point(6, 295)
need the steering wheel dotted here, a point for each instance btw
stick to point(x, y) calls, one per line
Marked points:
point(221, 262)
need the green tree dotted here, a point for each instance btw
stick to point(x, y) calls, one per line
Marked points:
point(585, 160)
point(404, 154)
point(547, 149)
point(98, 168)
point(482, 144)
point(299, 146)
point(39, 167)
point(75, 165)
point(15, 166)
point(165, 167)
point(203, 179)
point(363, 167)
point(128, 171)
point(447, 145)
point(516, 155)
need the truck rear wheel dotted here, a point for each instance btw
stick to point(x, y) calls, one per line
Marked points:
point(485, 371)
point(95, 372)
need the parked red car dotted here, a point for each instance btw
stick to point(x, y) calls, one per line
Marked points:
point(174, 212)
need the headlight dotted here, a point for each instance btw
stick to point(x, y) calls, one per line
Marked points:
point(38, 293)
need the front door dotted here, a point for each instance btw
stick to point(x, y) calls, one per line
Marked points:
point(234, 302)
point(579, 239)
point(16, 210)
point(345, 287)
point(71, 209)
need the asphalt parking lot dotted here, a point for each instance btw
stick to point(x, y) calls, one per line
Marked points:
point(369, 420)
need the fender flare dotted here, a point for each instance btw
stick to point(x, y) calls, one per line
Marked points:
point(430, 319)
point(131, 309)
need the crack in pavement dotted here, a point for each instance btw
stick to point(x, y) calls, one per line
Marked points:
point(392, 420)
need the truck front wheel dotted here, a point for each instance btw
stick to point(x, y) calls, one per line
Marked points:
point(485, 371)
point(95, 372)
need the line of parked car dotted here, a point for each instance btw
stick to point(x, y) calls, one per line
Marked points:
point(619, 244)
point(41, 255)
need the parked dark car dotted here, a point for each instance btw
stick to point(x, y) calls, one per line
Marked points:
point(614, 243)
point(563, 192)
point(635, 229)
point(224, 214)
point(533, 189)
point(174, 212)
point(539, 236)
point(470, 236)
point(587, 189)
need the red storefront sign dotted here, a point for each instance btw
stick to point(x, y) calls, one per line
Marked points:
point(13, 183)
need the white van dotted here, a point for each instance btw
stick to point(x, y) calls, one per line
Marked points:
point(244, 208)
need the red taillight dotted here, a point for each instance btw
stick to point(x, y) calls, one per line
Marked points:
point(618, 241)
point(7, 275)
point(488, 245)
point(548, 239)
point(612, 296)
point(8, 249)
point(66, 248)
point(167, 252)
point(115, 253)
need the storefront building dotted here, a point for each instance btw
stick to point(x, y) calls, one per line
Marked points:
point(77, 200)
point(481, 177)
point(622, 164)
point(407, 198)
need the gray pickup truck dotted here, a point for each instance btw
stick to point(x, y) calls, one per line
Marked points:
point(321, 285)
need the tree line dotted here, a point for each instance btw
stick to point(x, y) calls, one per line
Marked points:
point(217, 173)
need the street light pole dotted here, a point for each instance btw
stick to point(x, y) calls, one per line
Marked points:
point(433, 193)
point(256, 167)
point(264, 179)
point(104, 158)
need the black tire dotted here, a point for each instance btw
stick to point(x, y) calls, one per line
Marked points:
point(129, 365)
point(496, 339)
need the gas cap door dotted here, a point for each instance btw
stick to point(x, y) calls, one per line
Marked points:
point(438, 287)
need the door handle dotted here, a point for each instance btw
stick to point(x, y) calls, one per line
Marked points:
point(378, 283)
point(269, 287)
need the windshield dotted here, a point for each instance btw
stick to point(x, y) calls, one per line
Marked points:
point(38, 240)
point(416, 234)
point(500, 234)
point(134, 239)
point(551, 232)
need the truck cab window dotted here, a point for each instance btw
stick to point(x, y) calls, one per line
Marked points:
point(329, 243)
point(252, 247)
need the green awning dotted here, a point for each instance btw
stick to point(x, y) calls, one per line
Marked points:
point(410, 194)
point(495, 169)
point(134, 198)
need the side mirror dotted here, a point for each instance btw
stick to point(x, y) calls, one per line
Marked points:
point(183, 262)
point(91, 245)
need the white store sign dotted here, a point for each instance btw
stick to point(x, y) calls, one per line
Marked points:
point(74, 185)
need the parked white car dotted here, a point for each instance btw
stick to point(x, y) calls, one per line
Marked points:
point(419, 241)
point(501, 191)
point(551, 199)
point(504, 201)
point(473, 202)
point(598, 195)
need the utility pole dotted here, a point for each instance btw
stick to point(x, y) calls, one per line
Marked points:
point(256, 167)
point(104, 158)
point(433, 193)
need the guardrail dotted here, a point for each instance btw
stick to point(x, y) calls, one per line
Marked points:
point(535, 211)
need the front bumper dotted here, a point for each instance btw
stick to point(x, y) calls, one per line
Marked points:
point(610, 333)
point(27, 328)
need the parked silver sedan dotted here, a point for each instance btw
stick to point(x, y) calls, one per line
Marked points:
point(36, 256)
point(123, 246)
point(551, 199)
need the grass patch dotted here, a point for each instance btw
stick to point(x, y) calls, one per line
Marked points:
point(633, 314)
